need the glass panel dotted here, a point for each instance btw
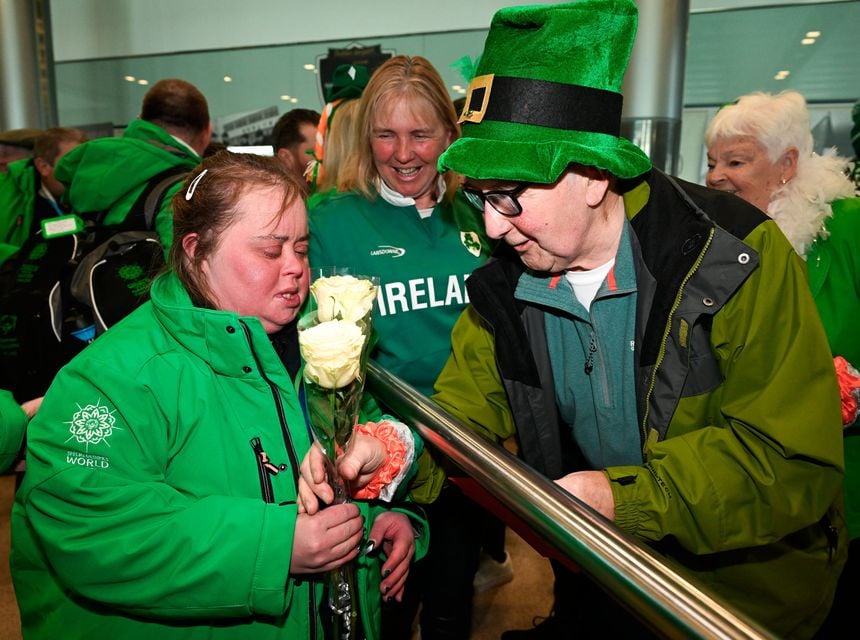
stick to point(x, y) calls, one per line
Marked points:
point(94, 91)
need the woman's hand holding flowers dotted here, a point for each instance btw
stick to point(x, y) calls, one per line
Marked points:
point(397, 538)
point(326, 540)
point(358, 465)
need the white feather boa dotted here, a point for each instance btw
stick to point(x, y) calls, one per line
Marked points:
point(801, 207)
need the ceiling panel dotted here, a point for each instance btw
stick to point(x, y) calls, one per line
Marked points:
point(730, 53)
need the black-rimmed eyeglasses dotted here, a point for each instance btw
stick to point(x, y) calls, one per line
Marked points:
point(502, 200)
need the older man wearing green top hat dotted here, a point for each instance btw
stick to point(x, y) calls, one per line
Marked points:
point(651, 344)
point(627, 336)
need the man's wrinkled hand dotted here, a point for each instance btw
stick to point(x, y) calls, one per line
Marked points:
point(357, 466)
point(592, 487)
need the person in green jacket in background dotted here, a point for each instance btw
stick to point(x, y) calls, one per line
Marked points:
point(108, 174)
point(29, 192)
point(13, 425)
point(761, 148)
point(163, 466)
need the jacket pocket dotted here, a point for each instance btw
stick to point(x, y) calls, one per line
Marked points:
point(703, 371)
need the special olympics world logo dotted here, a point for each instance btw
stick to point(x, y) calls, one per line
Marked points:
point(92, 424)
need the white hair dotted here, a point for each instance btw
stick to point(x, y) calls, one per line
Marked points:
point(778, 123)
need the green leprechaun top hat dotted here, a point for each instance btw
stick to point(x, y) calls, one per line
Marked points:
point(547, 93)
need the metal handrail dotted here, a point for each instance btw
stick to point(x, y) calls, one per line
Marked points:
point(628, 569)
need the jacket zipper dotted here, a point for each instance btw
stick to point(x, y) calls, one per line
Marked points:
point(263, 471)
point(265, 479)
point(279, 405)
point(667, 330)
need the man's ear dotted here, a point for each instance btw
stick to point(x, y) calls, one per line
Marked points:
point(788, 164)
point(597, 185)
point(286, 157)
point(200, 141)
point(45, 170)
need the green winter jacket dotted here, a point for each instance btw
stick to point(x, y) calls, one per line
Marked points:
point(833, 267)
point(13, 423)
point(142, 514)
point(18, 190)
point(110, 173)
point(738, 403)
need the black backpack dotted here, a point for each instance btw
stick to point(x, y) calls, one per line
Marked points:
point(57, 295)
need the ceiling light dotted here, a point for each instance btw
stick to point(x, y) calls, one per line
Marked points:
point(130, 78)
point(310, 67)
point(813, 34)
point(228, 79)
point(285, 97)
point(782, 75)
point(808, 41)
point(294, 100)
point(143, 82)
point(456, 87)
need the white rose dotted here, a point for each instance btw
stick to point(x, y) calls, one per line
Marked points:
point(343, 297)
point(332, 352)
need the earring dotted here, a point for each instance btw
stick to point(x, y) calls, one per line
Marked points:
point(783, 181)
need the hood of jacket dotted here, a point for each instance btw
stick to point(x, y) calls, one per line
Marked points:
point(23, 174)
point(18, 186)
point(221, 338)
point(101, 172)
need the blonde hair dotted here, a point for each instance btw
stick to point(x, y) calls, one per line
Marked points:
point(410, 77)
point(340, 141)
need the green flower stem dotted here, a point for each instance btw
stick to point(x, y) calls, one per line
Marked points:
point(333, 414)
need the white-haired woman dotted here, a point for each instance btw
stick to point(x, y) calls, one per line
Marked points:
point(760, 147)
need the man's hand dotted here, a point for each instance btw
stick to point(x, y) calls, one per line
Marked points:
point(592, 487)
point(31, 407)
point(362, 459)
point(327, 539)
point(394, 532)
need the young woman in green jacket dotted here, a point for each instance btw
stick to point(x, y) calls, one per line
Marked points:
point(163, 467)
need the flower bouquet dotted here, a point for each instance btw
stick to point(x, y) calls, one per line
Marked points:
point(334, 341)
point(849, 390)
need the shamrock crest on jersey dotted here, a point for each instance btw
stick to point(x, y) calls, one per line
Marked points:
point(471, 241)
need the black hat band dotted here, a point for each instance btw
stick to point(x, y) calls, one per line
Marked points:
point(543, 103)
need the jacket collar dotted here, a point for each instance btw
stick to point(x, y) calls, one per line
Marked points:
point(676, 239)
point(232, 345)
point(672, 237)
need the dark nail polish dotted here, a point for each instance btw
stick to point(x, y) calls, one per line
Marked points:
point(385, 590)
point(386, 573)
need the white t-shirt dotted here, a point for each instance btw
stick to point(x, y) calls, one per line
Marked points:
point(586, 283)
